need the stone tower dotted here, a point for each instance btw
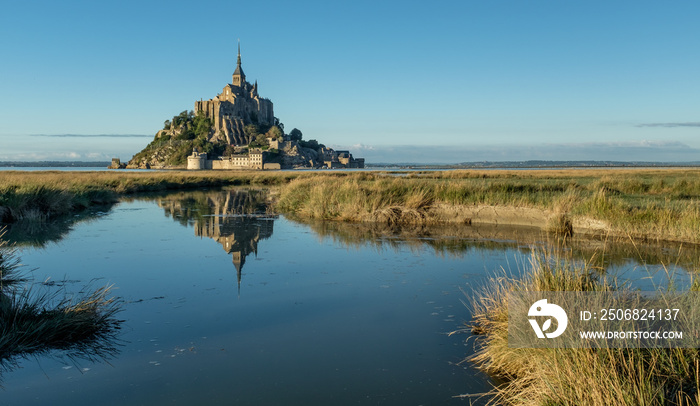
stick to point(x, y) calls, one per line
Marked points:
point(235, 107)
point(197, 161)
point(238, 75)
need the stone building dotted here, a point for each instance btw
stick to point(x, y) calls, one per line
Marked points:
point(344, 159)
point(236, 106)
point(197, 160)
point(255, 159)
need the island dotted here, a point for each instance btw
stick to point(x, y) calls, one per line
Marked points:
point(237, 129)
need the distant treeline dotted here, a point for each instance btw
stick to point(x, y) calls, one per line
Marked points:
point(56, 164)
point(537, 164)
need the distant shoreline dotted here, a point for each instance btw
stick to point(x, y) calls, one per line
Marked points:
point(54, 164)
point(414, 165)
point(537, 165)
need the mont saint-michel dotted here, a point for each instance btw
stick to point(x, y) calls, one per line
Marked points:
point(236, 129)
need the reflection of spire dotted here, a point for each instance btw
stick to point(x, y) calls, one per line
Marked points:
point(238, 262)
point(235, 219)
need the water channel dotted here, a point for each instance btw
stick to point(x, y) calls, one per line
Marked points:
point(225, 302)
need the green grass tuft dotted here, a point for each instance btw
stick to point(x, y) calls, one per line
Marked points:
point(35, 323)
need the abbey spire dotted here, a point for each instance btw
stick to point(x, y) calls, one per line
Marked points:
point(238, 75)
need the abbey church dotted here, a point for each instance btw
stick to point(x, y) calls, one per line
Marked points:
point(236, 106)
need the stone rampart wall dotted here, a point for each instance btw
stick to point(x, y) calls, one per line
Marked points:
point(226, 164)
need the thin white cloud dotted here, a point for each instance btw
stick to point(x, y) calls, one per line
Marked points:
point(354, 147)
point(97, 156)
point(40, 156)
point(622, 144)
point(671, 125)
point(60, 148)
point(92, 135)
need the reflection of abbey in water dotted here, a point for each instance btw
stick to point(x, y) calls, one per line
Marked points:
point(235, 219)
point(239, 235)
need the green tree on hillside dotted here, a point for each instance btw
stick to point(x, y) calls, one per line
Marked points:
point(295, 135)
point(183, 118)
point(311, 144)
point(202, 125)
point(274, 132)
point(279, 124)
point(260, 141)
point(251, 131)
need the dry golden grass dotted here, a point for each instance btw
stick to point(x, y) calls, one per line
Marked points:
point(565, 376)
point(654, 204)
point(649, 204)
point(40, 195)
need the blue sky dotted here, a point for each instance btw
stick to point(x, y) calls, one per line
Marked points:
point(442, 81)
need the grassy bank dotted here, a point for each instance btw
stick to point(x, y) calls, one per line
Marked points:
point(42, 195)
point(647, 204)
point(565, 376)
point(653, 204)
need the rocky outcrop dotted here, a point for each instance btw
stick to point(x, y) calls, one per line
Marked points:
point(161, 153)
point(154, 158)
point(170, 146)
point(116, 164)
point(295, 156)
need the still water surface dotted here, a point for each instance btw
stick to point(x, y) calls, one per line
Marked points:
point(225, 303)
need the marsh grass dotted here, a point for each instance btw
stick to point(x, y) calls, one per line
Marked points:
point(651, 204)
point(643, 204)
point(42, 195)
point(564, 376)
point(34, 323)
point(10, 264)
point(365, 197)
